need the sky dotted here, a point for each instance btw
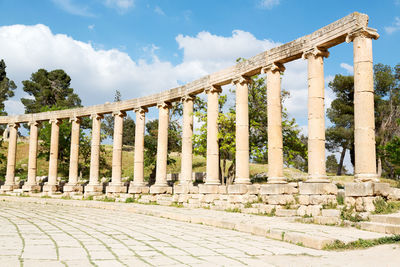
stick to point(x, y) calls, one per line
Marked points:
point(140, 47)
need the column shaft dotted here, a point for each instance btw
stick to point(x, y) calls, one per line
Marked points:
point(187, 146)
point(95, 150)
point(33, 148)
point(162, 144)
point(274, 112)
point(117, 149)
point(364, 119)
point(242, 132)
point(74, 154)
point(53, 161)
point(316, 116)
point(9, 184)
point(138, 179)
point(212, 136)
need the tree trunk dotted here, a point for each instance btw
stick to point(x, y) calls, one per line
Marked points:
point(340, 166)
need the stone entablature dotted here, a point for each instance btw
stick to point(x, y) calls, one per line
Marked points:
point(324, 38)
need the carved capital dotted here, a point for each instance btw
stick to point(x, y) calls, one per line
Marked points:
point(273, 67)
point(141, 110)
point(241, 80)
point(13, 125)
point(34, 123)
point(75, 119)
point(213, 89)
point(55, 121)
point(165, 105)
point(97, 116)
point(119, 113)
point(187, 98)
point(315, 52)
point(363, 33)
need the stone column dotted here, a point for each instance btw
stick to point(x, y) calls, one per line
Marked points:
point(138, 185)
point(274, 111)
point(52, 185)
point(242, 131)
point(94, 186)
point(161, 185)
point(316, 115)
point(187, 143)
point(364, 120)
point(10, 184)
point(72, 185)
point(31, 184)
point(116, 185)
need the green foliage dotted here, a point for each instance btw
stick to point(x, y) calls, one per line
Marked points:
point(107, 199)
point(234, 210)
point(385, 207)
point(130, 200)
point(176, 204)
point(340, 199)
point(7, 88)
point(330, 205)
point(349, 214)
point(362, 243)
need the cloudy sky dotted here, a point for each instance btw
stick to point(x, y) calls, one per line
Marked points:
point(141, 46)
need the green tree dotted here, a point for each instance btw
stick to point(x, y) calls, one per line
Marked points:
point(332, 165)
point(391, 152)
point(7, 88)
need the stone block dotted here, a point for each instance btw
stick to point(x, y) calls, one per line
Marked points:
point(277, 189)
point(394, 194)
point(359, 189)
point(193, 189)
point(286, 213)
point(193, 201)
point(135, 189)
point(368, 203)
point(326, 220)
point(222, 189)
point(304, 199)
point(156, 189)
point(235, 198)
point(322, 199)
point(209, 198)
point(381, 189)
point(302, 210)
point(331, 213)
point(73, 188)
point(250, 210)
point(93, 188)
point(50, 188)
point(116, 188)
point(314, 210)
point(183, 198)
point(181, 189)
point(350, 201)
point(237, 189)
point(31, 188)
point(359, 205)
point(317, 189)
point(208, 189)
point(280, 199)
point(341, 193)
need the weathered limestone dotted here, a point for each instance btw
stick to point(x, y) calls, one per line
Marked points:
point(242, 131)
point(52, 185)
point(10, 184)
point(94, 187)
point(138, 185)
point(187, 144)
point(316, 115)
point(72, 185)
point(116, 185)
point(275, 141)
point(212, 136)
point(161, 185)
point(364, 119)
point(31, 184)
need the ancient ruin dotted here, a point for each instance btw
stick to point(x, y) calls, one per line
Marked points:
point(307, 197)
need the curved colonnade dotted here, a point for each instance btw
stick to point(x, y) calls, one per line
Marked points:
point(313, 48)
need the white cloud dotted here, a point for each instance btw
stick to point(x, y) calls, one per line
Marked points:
point(159, 11)
point(91, 27)
point(121, 6)
point(268, 4)
point(347, 67)
point(395, 27)
point(72, 8)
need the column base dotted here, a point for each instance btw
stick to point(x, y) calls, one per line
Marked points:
point(93, 189)
point(160, 189)
point(317, 179)
point(186, 188)
point(209, 188)
point(241, 189)
point(31, 188)
point(138, 189)
point(8, 188)
point(366, 177)
point(116, 188)
point(242, 181)
point(73, 188)
point(277, 180)
point(50, 188)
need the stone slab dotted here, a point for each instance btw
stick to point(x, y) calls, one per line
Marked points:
point(208, 189)
point(134, 189)
point(359, 189)
point(155, 189)
point(73, 188)
point(50, 188)
point(277, 189)
point(241, 189)
point(318, 189)
point(116, 188)
point(31, 188)
point(93, 188)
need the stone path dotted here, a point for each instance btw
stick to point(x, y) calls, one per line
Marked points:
point(52, 235)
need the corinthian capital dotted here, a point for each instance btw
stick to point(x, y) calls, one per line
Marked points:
point(315, 52)
point(273, 67)
point(213, 89)
point(187, 98)
point(165, 105)
point(363, 33)
point(241, 80)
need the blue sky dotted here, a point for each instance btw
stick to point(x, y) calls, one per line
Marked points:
point(141, 46)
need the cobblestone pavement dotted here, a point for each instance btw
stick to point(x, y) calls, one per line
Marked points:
point(49, 235)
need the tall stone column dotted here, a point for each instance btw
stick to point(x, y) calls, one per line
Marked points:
point(242, 131)
point(274, 111)
point(10, 184)
point(364, 120)
point(52, 185)
point(72, 185)
point(316, 115)
point(94, 186)
point(31, 184)
point(116, 185)
point(138, 185)
point(187, 143)
point(161, 185)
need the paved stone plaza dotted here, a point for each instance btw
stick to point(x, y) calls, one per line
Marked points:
point(51, 235)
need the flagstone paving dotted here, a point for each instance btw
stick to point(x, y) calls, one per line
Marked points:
point(34, 234)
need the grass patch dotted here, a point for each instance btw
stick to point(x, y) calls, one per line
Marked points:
point(330, 205)
point(235, 210)
point(45, 196)
point(107, 199)
point(362, 243)
point(129, 200)
point(349, 214)
point(383, 207)
point(340, 199)
point(176, 205)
